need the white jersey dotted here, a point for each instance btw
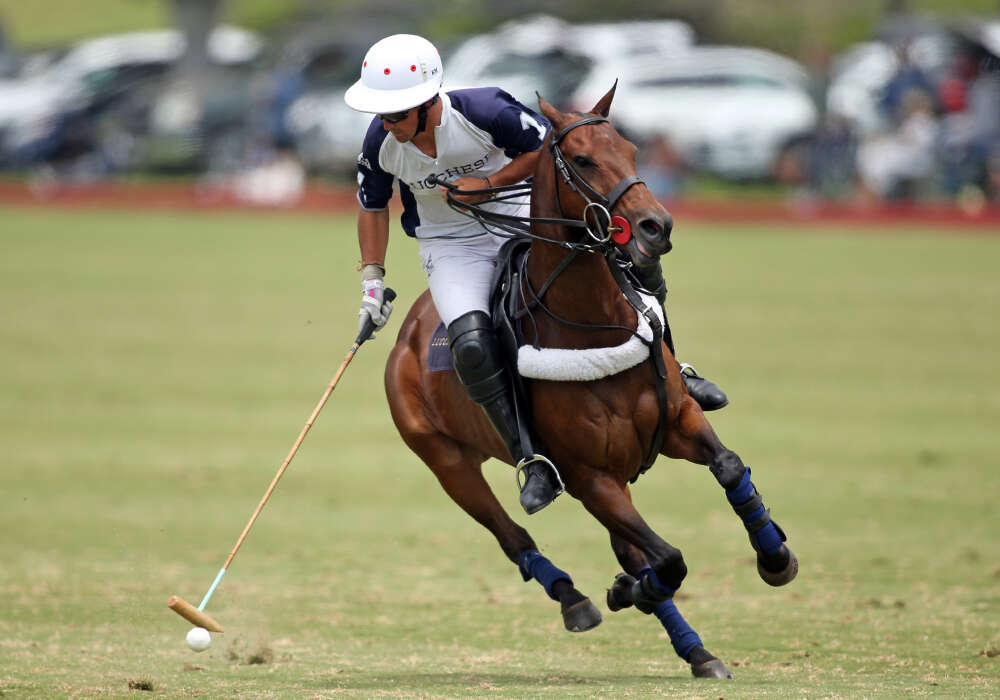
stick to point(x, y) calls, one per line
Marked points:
point(481, 130)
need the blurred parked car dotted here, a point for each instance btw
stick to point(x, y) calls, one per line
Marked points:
point(306, 110)
point(546, 55)
point(57, 111)
point(732, 111)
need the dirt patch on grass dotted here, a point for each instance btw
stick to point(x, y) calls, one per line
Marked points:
point(246, 653)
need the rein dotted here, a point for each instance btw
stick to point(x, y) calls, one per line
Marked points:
point(602, 232)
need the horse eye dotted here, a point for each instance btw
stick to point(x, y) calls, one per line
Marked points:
point(583, 162)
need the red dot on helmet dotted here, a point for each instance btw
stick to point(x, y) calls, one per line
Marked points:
point(387, 71)
point(365, 64)
point(621, 237)
point(413, 69)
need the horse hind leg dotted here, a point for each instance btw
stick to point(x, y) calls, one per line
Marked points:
point(658, 567)
point(459, 471)
point(776, 563)
point(685, 641)
point(458, 468)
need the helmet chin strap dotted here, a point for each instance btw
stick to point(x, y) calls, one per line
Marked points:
point(422, 115)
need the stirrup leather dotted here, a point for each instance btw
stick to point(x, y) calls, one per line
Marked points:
point(521, 478)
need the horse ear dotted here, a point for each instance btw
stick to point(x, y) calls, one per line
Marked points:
point(549, 112)
point(603, 106)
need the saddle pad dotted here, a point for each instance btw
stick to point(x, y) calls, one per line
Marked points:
point(438, 353)
point(564, 365)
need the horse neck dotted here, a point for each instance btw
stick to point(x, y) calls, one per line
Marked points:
point(583, 292)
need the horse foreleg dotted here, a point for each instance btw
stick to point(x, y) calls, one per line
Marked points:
point(685, 641)
point(460, 473)
point(696, 441)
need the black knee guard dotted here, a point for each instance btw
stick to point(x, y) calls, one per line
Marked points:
point(478, 361)
point(481, 369)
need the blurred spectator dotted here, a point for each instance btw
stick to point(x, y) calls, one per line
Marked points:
point(832, 157)
point(661, 167)
point(971, 130)
point(993, 174)
point(908, 77)
point(892, 164)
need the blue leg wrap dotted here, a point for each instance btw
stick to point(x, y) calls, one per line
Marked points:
point(647, 571)
point(750, 507)
point(534, 565)
point(682, 637)
point(648, 592)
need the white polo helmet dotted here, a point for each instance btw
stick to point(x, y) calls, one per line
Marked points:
point(399, 72)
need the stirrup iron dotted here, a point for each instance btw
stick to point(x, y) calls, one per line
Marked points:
point(689, 370)
point(521, 478)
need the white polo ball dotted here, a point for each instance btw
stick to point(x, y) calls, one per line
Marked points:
point(198, 639)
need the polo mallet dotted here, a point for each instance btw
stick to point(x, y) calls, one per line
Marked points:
point(198, 616)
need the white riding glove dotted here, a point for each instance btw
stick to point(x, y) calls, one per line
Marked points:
point(373, 303)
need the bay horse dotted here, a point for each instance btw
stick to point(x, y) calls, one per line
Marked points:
point(597, 431)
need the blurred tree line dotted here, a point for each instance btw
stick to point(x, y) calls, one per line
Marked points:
point(797, 28)
point(794, 27)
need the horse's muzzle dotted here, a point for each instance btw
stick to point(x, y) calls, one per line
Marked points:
point(652, 238)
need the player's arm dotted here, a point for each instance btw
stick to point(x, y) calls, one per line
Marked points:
point(373, 236)
point(520, 168)
point(374, 193)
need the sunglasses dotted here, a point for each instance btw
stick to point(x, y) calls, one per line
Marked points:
point(394, 117)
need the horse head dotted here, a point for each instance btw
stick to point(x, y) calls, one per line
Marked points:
point(595, 179)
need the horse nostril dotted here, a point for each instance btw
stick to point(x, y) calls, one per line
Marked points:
point(656, 228)
point(651, 227)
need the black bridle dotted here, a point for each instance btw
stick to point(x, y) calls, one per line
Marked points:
point(604, 204)
point(512, 225)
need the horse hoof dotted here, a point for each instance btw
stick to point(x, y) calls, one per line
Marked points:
point(582, 616)
point(711, 669)
point(784, 576)
point(620, 593)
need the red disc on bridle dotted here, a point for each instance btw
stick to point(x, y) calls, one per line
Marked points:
point(624, 232)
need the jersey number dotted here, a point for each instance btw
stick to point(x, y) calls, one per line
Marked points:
point(529, 122)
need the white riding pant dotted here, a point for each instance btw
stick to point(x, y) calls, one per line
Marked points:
point(460, 272)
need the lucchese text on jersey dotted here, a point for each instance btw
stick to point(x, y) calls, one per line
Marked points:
point(450, 174)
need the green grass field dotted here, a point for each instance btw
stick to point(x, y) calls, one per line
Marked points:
point(157, 367)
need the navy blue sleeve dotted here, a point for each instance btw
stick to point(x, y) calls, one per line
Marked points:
point(374, 184)
point(514, 127)
point(410, 219)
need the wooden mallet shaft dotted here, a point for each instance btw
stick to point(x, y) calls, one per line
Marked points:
point(193, 614)
point(196, 615)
